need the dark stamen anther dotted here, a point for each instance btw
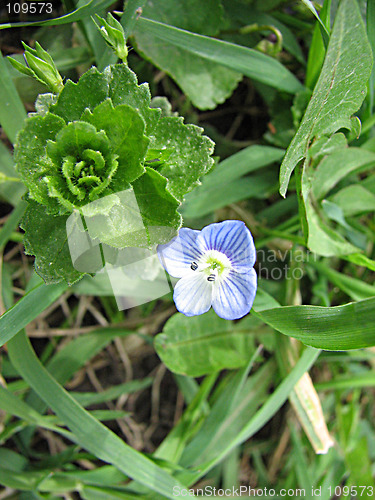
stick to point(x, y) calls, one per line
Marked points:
point(194, 266)
point(211, 277)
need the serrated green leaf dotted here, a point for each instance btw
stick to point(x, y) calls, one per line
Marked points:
point(90, 90)
point(46, 238)
point(215, 83)
point(32, 161)
point(79, 156)
point(123, 89)
point(191, 156)
point(340, 89)
point(124, 128)
point(203, 344)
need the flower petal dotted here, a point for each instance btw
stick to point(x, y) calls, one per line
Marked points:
point(232, 238)
point(193, 294)
point(233, 297)
point(177, 255)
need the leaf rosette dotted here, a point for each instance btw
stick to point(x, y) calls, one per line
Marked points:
point(82, 150)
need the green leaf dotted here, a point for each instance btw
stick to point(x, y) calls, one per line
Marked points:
point(238, 401)
point(90, 90)
point(114, 392)
point(152, 216)
point(355, 288)
point(370, 25)
point(79, 156)
point(130, 15)
point(88, 432)
point(11, 223)
point(23, 481)
point(10, 403)
point(123, 89)
point(354, 200)
point(322, 239)
point(46, 238)
point(44, 102)
point(203, 344)
point(251, 63)
point(206, 201)
point(32, 161)
point(223, 186)
point(325, 31)
point(215, 83)
point(191, 155)
point(117, 82)
point(124, 128)
point(69, 359)
point(263, 415)
point(340, 89)
point(339, 328)
point(27, 309)
point(326, 146)
point(338, 165)
point(104, 493)
point(315, 183)
point(361, 260)
point(157, 207)
point(12, 111)
point(12, 191)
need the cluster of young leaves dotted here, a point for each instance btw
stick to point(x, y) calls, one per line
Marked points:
point(96, 139)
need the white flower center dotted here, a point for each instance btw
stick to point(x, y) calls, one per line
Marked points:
point(214, 264)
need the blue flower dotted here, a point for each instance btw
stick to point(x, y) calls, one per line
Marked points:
point(216, 269)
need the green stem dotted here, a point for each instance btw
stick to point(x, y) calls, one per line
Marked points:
point(253, 28)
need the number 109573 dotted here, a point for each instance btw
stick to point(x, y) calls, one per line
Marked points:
point(30, 8)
